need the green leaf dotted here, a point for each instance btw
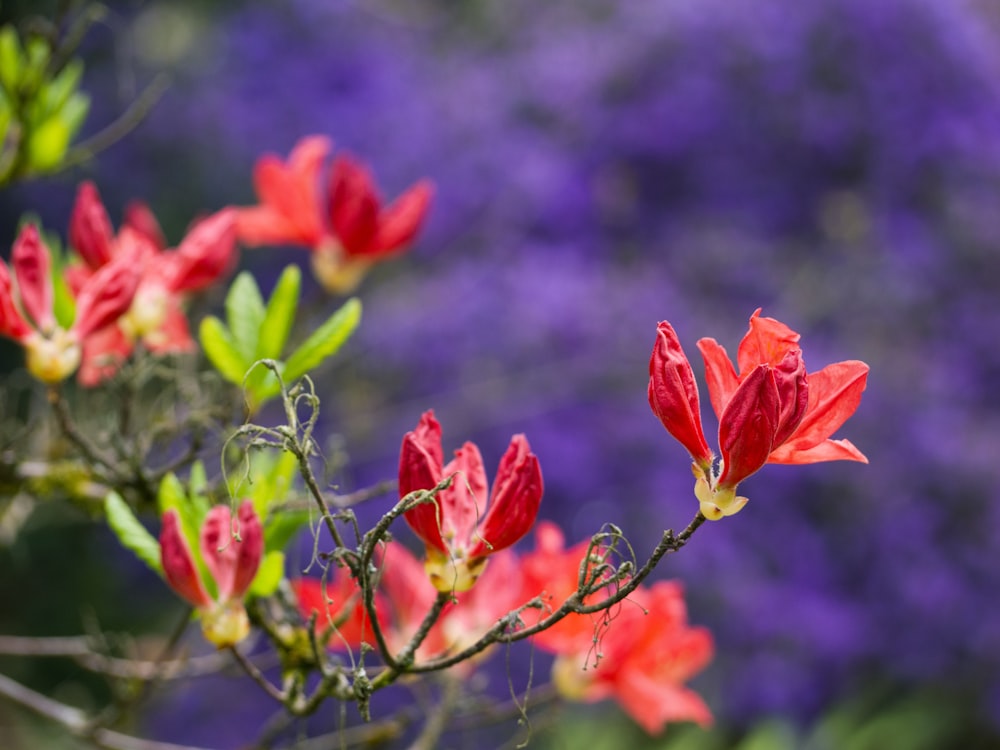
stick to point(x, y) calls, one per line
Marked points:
point(280, 314)
point(221, 350)
point(245, 315)
point(47, 145)
point(11, 59)
point(172, 496)
point(325, 340)
point(131, 533)
point(282, 527)
point(269, 574)
point(59, 89)
point(74, 112)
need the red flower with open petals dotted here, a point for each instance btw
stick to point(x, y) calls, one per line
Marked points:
point(771, 411)
point(834, 392)
point(647, 652)
point(26, 307)
point(348, 234)
point(156, 316)
point(461, 528)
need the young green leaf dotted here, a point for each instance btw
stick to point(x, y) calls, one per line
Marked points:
point(221, 350)
point(245, 315)
point(131, 533)
point(325, 340)
point(280, 314)
point(269, 574)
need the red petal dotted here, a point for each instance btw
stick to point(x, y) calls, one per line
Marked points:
point(33, 269)
point(353, 205)
point(464, 503)
point(178, 565)
point(105, 297)
point(766, 342)
point(250, 548)
point(12, 324)
point(720, 377)
point(793, 394)
point(673, 394)
point(90, 231)
point(400, 222)
point(292, 191)
point(205, 254)
point(748, 426)
point(232, 553)
point(834, 395)
point(142, 220)
point(420, 469)
point(517, 493)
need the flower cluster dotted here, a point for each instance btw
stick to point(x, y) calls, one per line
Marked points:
point(648, 652)
point(347, 232)
point(770, 410)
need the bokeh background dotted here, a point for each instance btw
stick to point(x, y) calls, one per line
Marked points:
point(601, 166)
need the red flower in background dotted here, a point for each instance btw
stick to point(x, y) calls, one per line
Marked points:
point(647, 650)
point(27, 312)
point(338, 608)
point(231, 553)
point(772, 410)
point(347, 233)
point(461, 528)
point(156, 317)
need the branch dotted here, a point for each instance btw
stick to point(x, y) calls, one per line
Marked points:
point(76, 721)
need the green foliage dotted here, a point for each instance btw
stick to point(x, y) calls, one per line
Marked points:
point(267, 483)
point(41, 106)
point(269, 575)
point(132, 534)
point(255, 331)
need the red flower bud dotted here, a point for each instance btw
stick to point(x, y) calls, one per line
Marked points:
point(231, 552)
point(673, 394)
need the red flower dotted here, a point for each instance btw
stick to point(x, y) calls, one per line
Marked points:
point(552, 572)
point(771, 411)
point(646, 654)
point(338, 608)
point(231, 553)
point(347, 235)
point(460, 528)
point(156, 316)
point(834, 392)
point(26, 307)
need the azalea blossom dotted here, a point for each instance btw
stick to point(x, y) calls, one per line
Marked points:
point(641, 657)
point(646, 655)
point(771, 411)
point(552, 572)
point(346, 229)
point(460, 529)
point(231, 553)
point(156, 317)
point(27, 312)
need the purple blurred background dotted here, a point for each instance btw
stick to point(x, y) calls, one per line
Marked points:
point(602, 166)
